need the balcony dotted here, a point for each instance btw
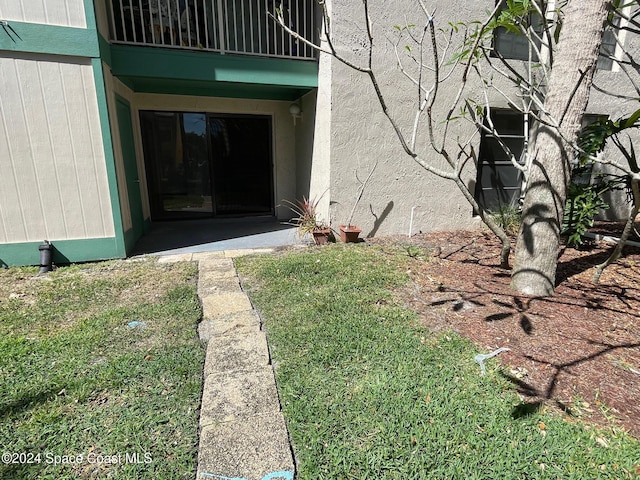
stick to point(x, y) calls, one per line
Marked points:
point(224, 26)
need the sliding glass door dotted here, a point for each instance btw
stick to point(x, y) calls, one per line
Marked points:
point(203, 165)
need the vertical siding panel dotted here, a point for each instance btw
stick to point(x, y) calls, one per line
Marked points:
point(52, 159)
point(81, 145)
point(37, 131)
point(66, 182)
point(34, 11)
point(13, 222)
point(8, 191)
point(25, 167)
point(68, 13)
point(44, 133)
point(27, 207)
point(11, 10)
point(103, 197)
point(76, 14)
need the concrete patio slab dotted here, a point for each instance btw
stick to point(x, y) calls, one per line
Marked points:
point(208, 255)
point(246, 251)
point(179, 257)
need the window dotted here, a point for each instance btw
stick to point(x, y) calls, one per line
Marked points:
point(499, 181)
point(515, 46)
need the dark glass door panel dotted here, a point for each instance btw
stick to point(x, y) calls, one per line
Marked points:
point(201, 165)
point(241, 157)
point(178, 168)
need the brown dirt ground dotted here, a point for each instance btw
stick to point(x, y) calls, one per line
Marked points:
point(578, 351)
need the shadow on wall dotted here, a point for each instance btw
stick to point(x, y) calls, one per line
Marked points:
point(379, 219)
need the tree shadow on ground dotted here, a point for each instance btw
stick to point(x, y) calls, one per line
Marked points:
point(583, 342)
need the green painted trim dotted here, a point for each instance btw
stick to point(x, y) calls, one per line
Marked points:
point(65, 251)
point(130, 239)
point(90, 14)
point(112, 179)
point(213, 89)
point(105, 50)
point(174, 64)
point(51, 39)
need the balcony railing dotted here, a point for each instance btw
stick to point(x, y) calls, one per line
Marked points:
point(224, 26)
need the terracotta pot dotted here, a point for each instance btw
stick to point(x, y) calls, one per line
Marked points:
point(321, 237)
point(349, 233)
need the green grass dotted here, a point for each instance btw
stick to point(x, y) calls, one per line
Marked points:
point(368, 393)
point(76, 379)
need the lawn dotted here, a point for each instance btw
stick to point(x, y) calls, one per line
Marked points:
point(370, 393)
point(101, 371)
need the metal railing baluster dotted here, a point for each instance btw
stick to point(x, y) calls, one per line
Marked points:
point(238, 26)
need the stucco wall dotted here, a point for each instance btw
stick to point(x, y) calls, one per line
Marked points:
point(52, 164)
point(362, 135)
point(68, 13)
point(284, 136)
point(313, 143)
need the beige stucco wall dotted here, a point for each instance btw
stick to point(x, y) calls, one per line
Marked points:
point(362, 135)
point(54, 183)
point(68, 13)
point(103, 13)
point(313, 142)
point(284, 135)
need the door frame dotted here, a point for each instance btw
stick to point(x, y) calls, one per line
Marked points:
point(131, 171)
point(151, 171)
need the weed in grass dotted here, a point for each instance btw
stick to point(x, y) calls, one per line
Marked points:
point(77, 380)
point(368, 393)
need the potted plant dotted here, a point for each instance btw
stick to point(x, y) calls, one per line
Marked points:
point(349, 233)
point(308, 220)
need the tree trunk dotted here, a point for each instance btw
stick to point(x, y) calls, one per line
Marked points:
point(570, 80)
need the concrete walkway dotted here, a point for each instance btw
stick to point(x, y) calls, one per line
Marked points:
point(243, 435)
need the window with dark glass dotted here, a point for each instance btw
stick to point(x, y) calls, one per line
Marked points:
point(515, 45)
point(499, 181)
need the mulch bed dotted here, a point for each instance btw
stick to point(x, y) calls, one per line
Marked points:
point(578, 351)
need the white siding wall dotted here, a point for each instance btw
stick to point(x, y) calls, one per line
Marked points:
point(54, 179)
point(69, 13)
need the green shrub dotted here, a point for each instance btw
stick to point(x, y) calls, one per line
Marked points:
point(508, 217)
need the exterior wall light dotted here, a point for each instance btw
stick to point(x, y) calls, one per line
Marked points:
point(295, 111)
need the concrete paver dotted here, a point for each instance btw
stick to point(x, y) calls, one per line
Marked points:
point(243, 449)
point(238, 393)
point(243, 434)
point(224, 303)
point(243, 350)
point(227, 324)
